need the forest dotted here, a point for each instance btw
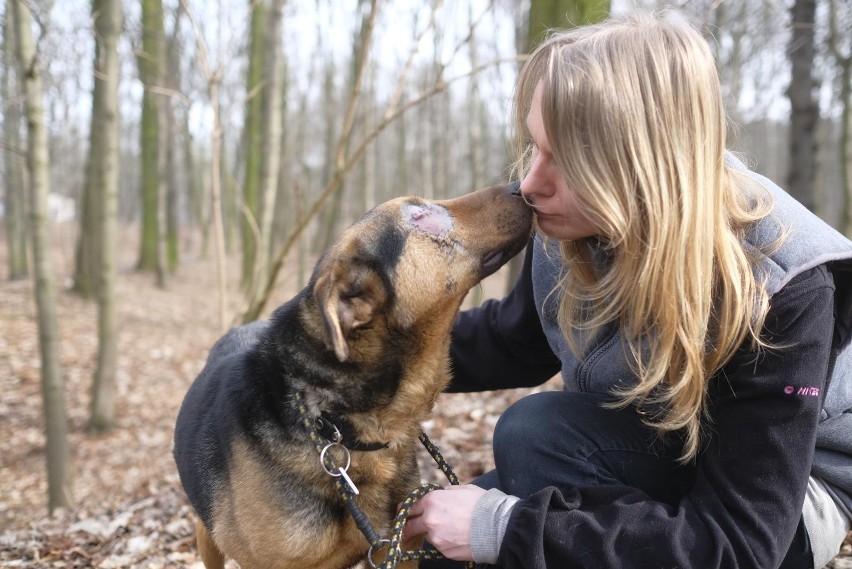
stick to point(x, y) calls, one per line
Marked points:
point(173, 168)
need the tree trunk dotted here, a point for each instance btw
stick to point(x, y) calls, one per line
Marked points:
point(216, 195)
point(87, 254)
point(230, 195)
point(172, 182)
point(840, 48)
point(272, 129)
point(163, 150)
point(846, 142)
point(213, 78)
point(332, 210)
point(151, 72)
point(426, 128)
point(197, 197)
point(53, 387)
point(107, 17)
point(302, 172)
point(478, 129)
point(253, 141)
point(547, 14)
point(370, 159)
point(343, 164)
point(400, 171)
point(282, 212)
point(15, 156)
point(732, 20)
point(172, 175)
point(87, 251)
point(804, 108)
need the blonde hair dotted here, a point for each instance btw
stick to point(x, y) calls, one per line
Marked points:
point(633, 113)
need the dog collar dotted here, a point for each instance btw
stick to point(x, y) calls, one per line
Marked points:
point(333, 427)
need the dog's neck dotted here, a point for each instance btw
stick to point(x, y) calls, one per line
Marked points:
point(332, 427)
point(337, 428)
point(373, 397)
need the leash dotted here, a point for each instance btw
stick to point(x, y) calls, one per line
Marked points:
point(347, 490)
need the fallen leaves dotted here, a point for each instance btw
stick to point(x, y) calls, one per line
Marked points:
point(152, 532)
point(131, 511)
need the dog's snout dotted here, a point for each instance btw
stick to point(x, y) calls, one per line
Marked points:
point(515, 188)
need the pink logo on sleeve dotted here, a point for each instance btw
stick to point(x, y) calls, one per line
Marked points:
point(803, 390)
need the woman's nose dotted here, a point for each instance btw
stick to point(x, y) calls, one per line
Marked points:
point(525, 188)
point(532, 183)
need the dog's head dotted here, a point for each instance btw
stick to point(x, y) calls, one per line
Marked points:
point(408, 264)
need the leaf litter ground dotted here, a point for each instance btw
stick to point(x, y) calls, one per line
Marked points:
point(130, 511)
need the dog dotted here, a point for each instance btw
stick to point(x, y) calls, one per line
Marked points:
point(365, 349)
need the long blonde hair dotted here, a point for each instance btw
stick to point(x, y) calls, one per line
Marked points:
point(633, 112)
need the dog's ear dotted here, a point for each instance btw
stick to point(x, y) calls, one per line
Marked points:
point(344, 306)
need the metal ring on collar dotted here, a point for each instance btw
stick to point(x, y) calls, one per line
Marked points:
point(345, 452)
point(374, 547)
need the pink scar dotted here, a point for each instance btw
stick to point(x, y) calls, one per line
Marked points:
point(429, 218)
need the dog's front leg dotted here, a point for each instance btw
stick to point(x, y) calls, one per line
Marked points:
point(211, 556)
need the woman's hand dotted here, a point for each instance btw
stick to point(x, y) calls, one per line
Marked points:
point(444, 516)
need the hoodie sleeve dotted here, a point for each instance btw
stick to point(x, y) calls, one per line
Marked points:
point(501, 344)
point(750, 476)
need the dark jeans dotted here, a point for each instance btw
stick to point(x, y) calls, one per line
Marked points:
point(566, 439)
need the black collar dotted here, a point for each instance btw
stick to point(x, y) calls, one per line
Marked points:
point(333, 427)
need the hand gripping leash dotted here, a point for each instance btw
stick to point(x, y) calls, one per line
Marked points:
point(347, 489)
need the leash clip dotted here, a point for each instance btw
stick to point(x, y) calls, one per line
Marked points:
point(341, 470)
point(348, 480)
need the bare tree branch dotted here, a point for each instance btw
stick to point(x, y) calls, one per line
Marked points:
point(257, 304)
point(17, 151)
point(214, 78)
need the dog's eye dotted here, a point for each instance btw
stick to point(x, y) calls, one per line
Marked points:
point(353, 291)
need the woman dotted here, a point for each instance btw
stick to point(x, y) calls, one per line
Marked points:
point(690, 306)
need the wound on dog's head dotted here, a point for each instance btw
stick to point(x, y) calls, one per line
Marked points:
point(428, 217)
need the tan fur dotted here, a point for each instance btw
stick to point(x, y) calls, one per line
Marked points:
point(207, 549)
point(254, 528)
point(249, 510)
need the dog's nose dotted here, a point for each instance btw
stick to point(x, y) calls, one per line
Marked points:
point(515, 188)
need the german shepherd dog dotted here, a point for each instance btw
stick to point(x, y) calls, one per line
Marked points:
point(365, 347)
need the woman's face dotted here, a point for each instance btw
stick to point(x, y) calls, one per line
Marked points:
point(557, 211)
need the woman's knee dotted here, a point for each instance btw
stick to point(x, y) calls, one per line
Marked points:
point(545, 418)
point(536, 446)
point(520, 423)
point(566, 439)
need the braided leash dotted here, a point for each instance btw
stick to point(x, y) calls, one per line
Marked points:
point(439, 459)
point(347, 490)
